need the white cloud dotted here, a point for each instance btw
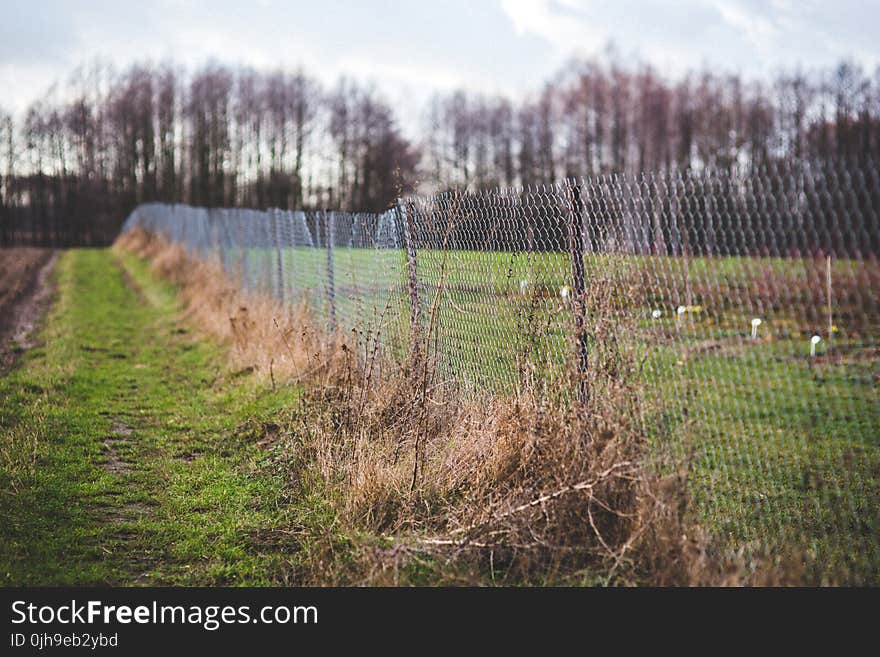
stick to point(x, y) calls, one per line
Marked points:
point(560, 22)
point(757, 29)
point(410, 47)
point(754, 37)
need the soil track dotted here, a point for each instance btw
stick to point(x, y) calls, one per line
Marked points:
point(24, 297)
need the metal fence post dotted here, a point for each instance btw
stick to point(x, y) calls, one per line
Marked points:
point(406, 219)
point(578, 284)
point(280, 262)
point(329, 218)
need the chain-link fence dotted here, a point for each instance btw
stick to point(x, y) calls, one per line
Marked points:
point(747, 298)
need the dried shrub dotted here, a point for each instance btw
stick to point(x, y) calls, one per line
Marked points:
point(536, 486)
point(273, 339)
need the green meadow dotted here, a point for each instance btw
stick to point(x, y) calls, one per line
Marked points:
point(132, 455)
point(783, 447)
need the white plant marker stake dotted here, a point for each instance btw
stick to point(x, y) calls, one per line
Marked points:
point(656, 314)
point(755, 324)
point(678, 313)
point(523, 286)
point(813, 342)
point(563, 291)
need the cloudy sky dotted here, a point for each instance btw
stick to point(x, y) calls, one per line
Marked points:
point(409, 47)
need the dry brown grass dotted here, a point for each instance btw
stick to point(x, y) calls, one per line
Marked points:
point(529, 488)
point(277, 341)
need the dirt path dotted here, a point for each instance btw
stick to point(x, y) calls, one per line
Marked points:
point(25, 294)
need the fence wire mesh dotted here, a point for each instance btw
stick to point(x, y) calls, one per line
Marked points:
point(748, 298)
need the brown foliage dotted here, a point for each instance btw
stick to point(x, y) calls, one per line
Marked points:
point(539, 489)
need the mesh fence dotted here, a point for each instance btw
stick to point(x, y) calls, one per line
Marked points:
point(748, 299)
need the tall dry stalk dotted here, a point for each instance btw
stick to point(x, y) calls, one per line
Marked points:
point(532, 485)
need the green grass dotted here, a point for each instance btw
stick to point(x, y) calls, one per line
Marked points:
point(784, 451)
point(491, 299)
point(785, 455)
point(129, 455)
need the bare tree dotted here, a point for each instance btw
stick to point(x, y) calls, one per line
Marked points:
point(84, 155)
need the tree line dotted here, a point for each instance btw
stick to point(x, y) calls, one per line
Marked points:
point(85, 154)
point(82, 156)
point(604, 117)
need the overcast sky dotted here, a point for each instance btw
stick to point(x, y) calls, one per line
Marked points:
point(409, 47)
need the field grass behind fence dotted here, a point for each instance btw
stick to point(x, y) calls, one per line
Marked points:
point(750, 302)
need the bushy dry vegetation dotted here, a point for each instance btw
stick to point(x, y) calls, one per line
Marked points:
point(534, 487)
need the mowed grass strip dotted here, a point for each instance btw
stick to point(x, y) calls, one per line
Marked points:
point(128, 452)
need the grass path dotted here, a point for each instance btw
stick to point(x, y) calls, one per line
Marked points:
point(128, 455)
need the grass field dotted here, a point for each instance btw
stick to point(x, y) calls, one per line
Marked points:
point(131, 455)
point(785, 447)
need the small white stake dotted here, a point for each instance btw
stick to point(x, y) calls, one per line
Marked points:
point(563, 291)
point(656, 314)
point(755, 324)
point(523, 286)
point(813, 342)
